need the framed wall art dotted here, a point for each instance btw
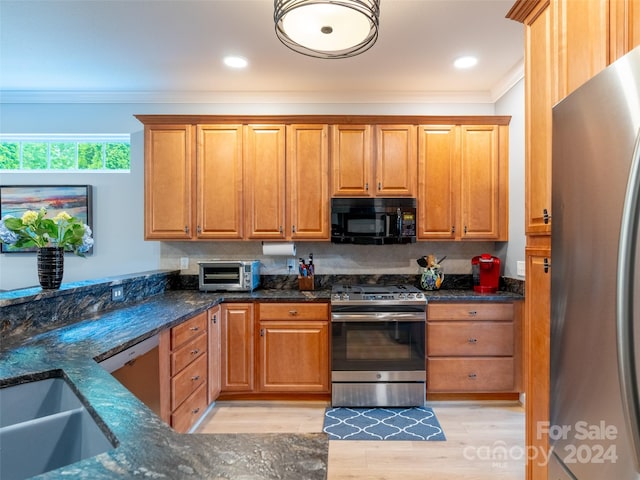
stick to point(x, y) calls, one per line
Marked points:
point(76, 200)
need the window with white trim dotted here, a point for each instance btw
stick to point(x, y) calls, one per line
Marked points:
point(65, 153)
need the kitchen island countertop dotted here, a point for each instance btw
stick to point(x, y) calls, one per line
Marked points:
point(145, 445)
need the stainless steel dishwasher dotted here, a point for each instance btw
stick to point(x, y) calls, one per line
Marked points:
point(138, 369)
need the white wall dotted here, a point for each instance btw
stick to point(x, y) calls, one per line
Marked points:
point(118, 198)
point(512, 103)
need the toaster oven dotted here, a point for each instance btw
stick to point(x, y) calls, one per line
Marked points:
point(229, 275)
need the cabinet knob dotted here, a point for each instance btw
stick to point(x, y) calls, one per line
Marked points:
point(472, 376)
point(293, 312)
point(195, 352)
point(472, 340)
point(195, 378)
point(195, 410)
point(472, 313)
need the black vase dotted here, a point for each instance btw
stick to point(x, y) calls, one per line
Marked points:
point(50, 267)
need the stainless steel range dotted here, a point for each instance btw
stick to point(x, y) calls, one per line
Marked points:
point(378, 345)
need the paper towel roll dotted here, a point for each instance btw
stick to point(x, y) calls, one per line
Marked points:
point(286, 249)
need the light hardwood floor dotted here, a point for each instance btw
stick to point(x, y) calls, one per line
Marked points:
point(485, 441)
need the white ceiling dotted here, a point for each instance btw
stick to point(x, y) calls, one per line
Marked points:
point(172, 50)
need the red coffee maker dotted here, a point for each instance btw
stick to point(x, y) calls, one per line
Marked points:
point(486, 273)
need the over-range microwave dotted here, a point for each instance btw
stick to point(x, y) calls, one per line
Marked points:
point(229, 275)
point(375, 221)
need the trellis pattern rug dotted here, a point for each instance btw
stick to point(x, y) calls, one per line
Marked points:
point(416, 423)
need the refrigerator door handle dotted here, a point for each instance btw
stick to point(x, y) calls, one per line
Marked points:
point(624, 304)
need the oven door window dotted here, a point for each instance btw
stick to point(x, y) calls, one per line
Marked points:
point(221, 275)
point(378, 346)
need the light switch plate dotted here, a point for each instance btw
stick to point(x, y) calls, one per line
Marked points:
point(184, 263)
point(520, 269)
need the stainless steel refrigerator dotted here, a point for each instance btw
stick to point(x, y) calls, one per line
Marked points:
point(595, 277)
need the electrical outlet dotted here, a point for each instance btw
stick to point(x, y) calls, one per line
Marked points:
point(291, 265)
point(117, 294)
point(184, 263)
point(520, 268)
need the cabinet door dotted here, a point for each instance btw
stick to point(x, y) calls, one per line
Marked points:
point(219, 181)
point(483, 183)
point(294, 356)
point(537, 351)
point(396, 160)
point(583, 41)
point(438, 154)
point(168, 180)
point(308, 181)
point(214, 372)
point(351, 160)
point(237, 347)
point(264, 181)
point(539, 99)
point(624, 28)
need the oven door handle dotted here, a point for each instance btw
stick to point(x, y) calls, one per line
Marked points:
point(379, 317)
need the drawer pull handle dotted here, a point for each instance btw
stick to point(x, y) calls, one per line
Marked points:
point(195, 352)
point(293, 312)
point(472, 340)
point(195, 378)
point(472, 376)
point(195, 410)
point(194, 329)
point(473, 313)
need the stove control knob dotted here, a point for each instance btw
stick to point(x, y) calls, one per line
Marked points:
point(402, 296)
point(419, 295)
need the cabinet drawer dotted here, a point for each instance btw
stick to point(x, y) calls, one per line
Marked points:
point(187, 330)
point(470, 311)
point(186, 354)
point(188, 380)
point(469, 339)
point(470, 374)
point(297, 311)
point(190, 411)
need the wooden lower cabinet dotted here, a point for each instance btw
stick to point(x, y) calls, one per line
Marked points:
point(275, 349)
point(293, 348)
point(474, 347)
point(215, 372)
point(183, 356)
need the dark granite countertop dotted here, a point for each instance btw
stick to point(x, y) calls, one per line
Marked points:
point(146, 447)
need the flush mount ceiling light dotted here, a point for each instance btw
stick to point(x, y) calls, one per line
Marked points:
point(327, 28)
point(465, 62)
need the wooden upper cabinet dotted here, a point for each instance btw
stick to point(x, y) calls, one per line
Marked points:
point(395, 160)
point(219, 182)
point(351, 160)
point(438, 164)
point(390, 171)
point(264, 181)
point(168, 192)
point(540, 95)
point(307, 181)
point(484, 182)
point(582, 41)
point(463, 182)
point(624, 16)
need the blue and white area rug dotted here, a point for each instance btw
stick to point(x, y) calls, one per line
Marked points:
point(417, 423)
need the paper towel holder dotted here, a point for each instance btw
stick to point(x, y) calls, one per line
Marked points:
point(287, 249)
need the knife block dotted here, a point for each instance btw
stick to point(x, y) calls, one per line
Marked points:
point(306, 283)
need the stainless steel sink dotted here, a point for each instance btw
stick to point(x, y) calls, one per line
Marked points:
point(43, 426)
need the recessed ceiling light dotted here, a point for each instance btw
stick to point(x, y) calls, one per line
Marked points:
point(235, 62)
point(465, 62)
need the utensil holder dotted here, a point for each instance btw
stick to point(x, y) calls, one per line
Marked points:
point(306, 283)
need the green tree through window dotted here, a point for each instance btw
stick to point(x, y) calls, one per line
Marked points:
point(96, 153)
